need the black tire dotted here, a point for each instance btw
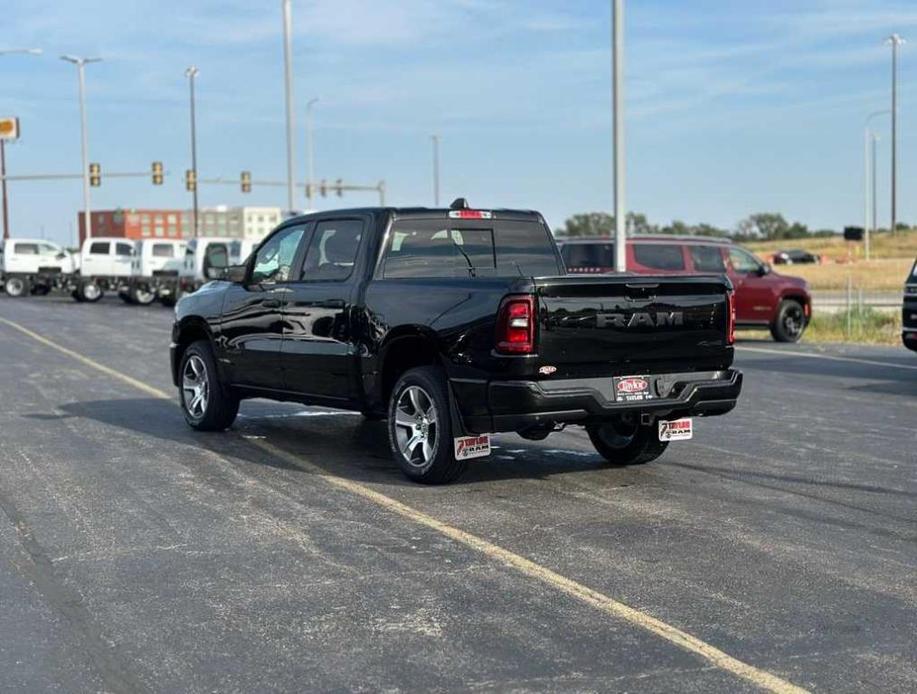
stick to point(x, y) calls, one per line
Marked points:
point(90, 291)
point(17, 287)
point(125, 297)
point(142, 297)
point(220, 406)
point(41, 290)
point(168, 301)
point(626, 444)
point(790, 323)
point(77, 296)
point(431, 462)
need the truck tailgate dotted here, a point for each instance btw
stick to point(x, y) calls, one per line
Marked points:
point(640, 324)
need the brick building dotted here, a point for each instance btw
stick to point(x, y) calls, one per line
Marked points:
point(137, 224)
point(238, 222)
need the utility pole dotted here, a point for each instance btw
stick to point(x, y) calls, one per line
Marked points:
point(288, 89)
point(617, 105)
point(81, 64)
point(869, 180)
point(435, 139)
point(894, 40)
point(310, 149)
point(6, 212)
point(191, 73)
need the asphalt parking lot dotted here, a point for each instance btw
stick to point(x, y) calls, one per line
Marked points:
point(291, 555)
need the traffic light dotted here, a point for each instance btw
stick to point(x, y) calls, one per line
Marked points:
point(323, 188)
point(190, 180)
point(157, 173)
point(95, 175)
point(339, 187)
point(246, 181)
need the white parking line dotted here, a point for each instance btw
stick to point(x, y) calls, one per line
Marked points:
point(809, 355)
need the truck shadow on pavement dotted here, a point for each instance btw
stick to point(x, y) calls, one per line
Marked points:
point(344, 444)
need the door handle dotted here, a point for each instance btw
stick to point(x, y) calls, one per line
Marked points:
point(271, 303)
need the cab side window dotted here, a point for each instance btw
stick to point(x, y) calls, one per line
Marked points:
point(708, 259)
point(274, 259)
point(659, 256)
point(124, 249)
point(333, 250)
point(98, 248)
point(743, 262)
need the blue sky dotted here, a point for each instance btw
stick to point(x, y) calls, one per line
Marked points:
point(732, 107)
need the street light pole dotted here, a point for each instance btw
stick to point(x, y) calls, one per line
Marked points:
point(81, 64)
point(288, 89)
point(310, 148)
point(894, 40)
point(617, 104)
point(191, 73)
point(869, 180)
point(6, 212)
point(435, 139)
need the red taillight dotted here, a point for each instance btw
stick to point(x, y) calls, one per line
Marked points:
point(516, 325)
point(731, 317)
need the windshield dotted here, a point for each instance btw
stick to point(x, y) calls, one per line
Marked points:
point(588, 255)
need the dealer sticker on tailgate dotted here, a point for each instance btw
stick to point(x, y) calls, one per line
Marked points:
point(676, 429)
point(633, 389)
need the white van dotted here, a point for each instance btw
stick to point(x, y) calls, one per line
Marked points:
point(34, 266)
point(157, 264)
point(106, 264)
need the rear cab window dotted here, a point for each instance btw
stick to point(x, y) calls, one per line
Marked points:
point(431, 248)
point(660, 256)
point(163, 250)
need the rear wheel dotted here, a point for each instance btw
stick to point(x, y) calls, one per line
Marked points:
point(17, 286)
point(90, 291)
point(420, 427)
point(622, 443)
point(206, 403)
point(790, 323)
point(125, 297)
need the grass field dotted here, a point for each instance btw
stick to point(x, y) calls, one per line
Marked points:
point(892, 258)
point(883, 245)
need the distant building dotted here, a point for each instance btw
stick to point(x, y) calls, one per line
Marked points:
point(136, 224)
point(238, 222)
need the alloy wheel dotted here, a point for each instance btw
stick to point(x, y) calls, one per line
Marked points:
point(416, 426)
point(195, 387)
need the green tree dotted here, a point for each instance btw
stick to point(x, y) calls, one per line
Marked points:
point(589, 224)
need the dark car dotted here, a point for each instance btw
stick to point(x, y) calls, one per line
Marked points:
point(795, 256)
point(909, 311)
point(453, 324)
point(764, 298)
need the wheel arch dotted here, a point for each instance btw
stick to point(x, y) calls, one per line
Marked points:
point(405, 348)
point(189, 330)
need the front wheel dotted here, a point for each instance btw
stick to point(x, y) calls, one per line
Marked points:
point(790, 323)
point(205, 401)
point(621, 443)
point(420, 427)
point(17, 287)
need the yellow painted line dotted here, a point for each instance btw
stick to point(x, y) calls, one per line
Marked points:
point(584, 594)
point(829, 357)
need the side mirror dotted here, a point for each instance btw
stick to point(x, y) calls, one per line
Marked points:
point(236, 274)
point(765, 269)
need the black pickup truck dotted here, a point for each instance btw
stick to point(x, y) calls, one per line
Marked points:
point(453, 324)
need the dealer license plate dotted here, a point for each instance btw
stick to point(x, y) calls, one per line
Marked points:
point(633, 389)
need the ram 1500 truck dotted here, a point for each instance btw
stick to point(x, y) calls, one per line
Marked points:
point(453, 324)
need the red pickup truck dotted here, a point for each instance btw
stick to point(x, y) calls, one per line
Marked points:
point(764, 298)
